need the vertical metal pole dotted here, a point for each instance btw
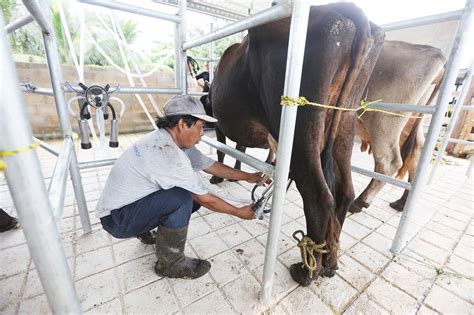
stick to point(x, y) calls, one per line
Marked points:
point(294, 66)
point(180, 54)
point(460, 42)
point(452, 122)
point(211, 57)
point(471, 166)
point(28, 191)
point(54, 67)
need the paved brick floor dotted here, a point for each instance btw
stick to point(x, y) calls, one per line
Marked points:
point(434, 274)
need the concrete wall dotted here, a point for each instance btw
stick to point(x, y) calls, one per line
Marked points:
point(42, 109)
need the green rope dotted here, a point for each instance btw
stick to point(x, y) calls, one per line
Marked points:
point(308, 248)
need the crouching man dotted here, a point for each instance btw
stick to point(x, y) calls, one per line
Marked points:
point(154, 183)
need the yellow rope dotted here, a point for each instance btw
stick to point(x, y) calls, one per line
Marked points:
point(308, 248)
point(5, 153)
point(302, 101)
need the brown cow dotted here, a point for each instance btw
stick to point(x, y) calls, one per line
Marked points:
point(407, 74)
point(341, 50)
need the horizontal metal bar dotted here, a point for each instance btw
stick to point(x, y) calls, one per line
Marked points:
point(274, 13)
point(198, 93)
point(381, 177)
point(35, 90)
point(403, 107)
point(99, 163)
point(431, 19)
point(263, 167)
point(134, 10)
point(18, 23)
point(131, 90)
point(121, 90)
point(468, 108)
point(46, 146)
point(458, 141)
point(206, 59)
point(34, 6)
point(57, 185)
point(206, 9)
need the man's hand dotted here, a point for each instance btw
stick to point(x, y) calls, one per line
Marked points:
point(215, 203)
point(254, 177)
point(246, 213)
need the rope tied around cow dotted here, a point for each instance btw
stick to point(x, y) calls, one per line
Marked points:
point(308, 248)
point(5, 153)
point(302, 101)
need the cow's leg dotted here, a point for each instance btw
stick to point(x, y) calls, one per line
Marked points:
point(220, 155)
point(387, 161)
point(344, 195)
point(319, 208)
point(271, 157)
point(400, 203)
point(242, 149)
point(238, 164)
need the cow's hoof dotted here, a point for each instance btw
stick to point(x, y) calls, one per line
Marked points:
point(216, 180)
point(300, 274)
point(328, 272)
point(398, 205)
point(357, 206)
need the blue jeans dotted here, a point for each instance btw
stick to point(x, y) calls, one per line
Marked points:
point(171, 208)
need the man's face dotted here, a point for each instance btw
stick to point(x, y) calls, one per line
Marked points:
point(192, 135)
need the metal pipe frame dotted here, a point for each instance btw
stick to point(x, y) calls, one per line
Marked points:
point(471, 167)
point(381, 177)
point(57, 185)
point(26, 184)
point(181, 57)
point(46, 146)
point(99, 163)
point(294, 66)
point(423, 109)
point(133, 9)
point(276, 12)
point(452, 122)
point(458, 141)
point(36, 90)
point(54, 67)
point(37, 12)
point(460, 42)
point(18, 23)
point(263, 167)
point(437, 18)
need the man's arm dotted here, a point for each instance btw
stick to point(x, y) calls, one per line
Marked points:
point(224, 171)
point(214, 203)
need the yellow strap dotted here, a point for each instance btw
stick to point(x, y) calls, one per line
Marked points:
point(308, 248)
point(302, 101)
point(5, 153)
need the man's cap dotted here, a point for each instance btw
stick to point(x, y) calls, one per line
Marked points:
point(187, 105)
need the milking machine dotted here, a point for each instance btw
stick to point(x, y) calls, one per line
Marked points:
point(98, 98)
point(261, 196)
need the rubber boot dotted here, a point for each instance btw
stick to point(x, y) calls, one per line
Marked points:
point(172, 262)
point(7, 222)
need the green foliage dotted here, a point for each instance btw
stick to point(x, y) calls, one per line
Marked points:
point(27, 41)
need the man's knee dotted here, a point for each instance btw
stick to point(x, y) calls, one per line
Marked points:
point(183, 206)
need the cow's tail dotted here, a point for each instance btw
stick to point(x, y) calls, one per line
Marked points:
point(360, 50)
point(408, 148)
point(327, 162)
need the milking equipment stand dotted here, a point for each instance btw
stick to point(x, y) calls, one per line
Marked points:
point(98, 98)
